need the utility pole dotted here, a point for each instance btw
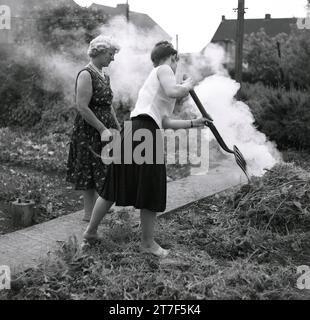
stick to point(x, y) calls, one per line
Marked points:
point(127, 11)
point(239, 41)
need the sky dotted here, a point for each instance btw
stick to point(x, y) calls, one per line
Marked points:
point(196, 21)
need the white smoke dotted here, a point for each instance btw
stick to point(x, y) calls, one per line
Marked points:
point(128, 72)
point(133, 63)
point(233, 118)
point(59, 69)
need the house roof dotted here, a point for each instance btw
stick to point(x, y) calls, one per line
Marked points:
point(140, 20)
point(273, 27)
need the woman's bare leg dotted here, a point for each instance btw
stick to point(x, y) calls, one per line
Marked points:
point(148, 221)
point(90, 196)
point(101, 208)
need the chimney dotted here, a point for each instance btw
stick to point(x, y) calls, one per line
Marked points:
point(123, 9)
point(223, 18)
point(268, 16)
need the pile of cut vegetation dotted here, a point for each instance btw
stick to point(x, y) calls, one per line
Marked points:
point(279, 201)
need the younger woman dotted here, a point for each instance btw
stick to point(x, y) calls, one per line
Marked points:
point(144, 186)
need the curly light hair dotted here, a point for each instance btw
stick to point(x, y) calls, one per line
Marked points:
point(100, 44)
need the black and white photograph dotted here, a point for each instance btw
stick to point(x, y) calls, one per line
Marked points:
point(155, 154)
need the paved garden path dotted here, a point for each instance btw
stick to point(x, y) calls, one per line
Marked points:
point(25, 248)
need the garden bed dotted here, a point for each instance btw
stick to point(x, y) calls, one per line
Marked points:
point(34, 167)
point(233, 245)
point(53, 196)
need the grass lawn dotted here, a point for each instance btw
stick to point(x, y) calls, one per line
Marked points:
point(244, 244)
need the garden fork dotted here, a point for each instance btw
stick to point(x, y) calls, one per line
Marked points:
point(237, 153)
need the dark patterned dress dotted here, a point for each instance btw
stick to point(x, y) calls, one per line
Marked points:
point(84, 169)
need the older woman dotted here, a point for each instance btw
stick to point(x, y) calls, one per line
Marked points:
point(95, 114)
point(144, 185)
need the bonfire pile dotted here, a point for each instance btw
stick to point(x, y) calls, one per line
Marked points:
point(268, 221)
point(280, 201)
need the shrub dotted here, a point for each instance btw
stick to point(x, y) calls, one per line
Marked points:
point(284, 116)
point(22, 97)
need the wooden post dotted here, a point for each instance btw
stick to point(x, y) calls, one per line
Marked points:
point(239, 41)
point(22, 213)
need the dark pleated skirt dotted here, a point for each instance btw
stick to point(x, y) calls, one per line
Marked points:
point(143, 186)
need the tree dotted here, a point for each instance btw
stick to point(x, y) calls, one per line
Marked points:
point(63, 27)
point(296, 62)
point(281, 61)
point(262, 56)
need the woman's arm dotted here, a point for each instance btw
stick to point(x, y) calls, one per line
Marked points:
point(168, 82)
point(115, 118)
point(168, 123)
point(84, 94)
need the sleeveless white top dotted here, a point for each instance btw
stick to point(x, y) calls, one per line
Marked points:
point(153, 101)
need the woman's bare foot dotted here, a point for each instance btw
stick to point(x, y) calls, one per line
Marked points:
point(91, 237)
point(155, 249)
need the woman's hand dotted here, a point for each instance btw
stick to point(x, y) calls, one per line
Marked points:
point(105, 135)
point(201, 122)
point(188, 83)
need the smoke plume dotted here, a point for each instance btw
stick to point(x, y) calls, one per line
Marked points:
point(128, 72)
point(232, 118)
